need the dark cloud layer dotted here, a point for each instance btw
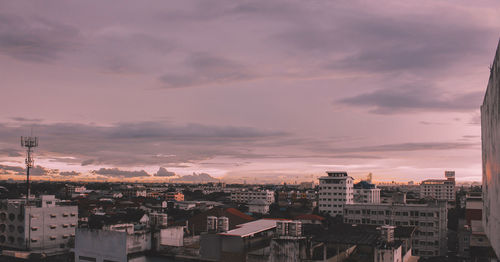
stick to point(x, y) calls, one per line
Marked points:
point(35, 39)
point(115, 172)
point(414, 98)
point(35, 171)
point(206, 69)
point(163, 172)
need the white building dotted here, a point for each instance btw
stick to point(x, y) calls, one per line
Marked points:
point(429, 219)
point(245, 196)
point(258, 206)
point(45, 224)
point(335, 191)
point(490, 136)
point(365, 192)
point(442, 189)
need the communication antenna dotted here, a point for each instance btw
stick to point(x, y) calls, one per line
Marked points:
point(29, 142)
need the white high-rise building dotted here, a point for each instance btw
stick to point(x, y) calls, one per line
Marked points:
point(441, 189)
point(43, 225)
point(335, 191)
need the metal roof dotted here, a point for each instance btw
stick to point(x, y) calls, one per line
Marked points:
point(251, 228)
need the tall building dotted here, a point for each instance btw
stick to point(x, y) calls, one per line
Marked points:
point(335, 191)
point(490, 136)
point(365, 192)
point(46, 224)
point(429, 219)
point(441, 189)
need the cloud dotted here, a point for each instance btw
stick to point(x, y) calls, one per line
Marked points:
point(115, 172)
point(35, 171)
point(10, 152)
point(205, 69)
point(413, 98)
point(35, 39)
point(24, 119)
point(69, 173)
point(163, 172)
point(139, 143)
point(87, 162)
point(403, 147)
point(202, 177)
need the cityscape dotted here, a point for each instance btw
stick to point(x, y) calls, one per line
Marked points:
point(256, 131)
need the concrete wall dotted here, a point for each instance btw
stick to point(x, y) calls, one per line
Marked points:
point(172, 236)
point(100, 244)
point(490, 134)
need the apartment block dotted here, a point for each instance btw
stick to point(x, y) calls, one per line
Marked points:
point(245, 196)
point(442, 189)
point(335, 191)
point(429, 219)
point(45, 224)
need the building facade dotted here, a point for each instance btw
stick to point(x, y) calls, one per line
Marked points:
point(365, 192)
point(429, 219)
point(490, 136)
point(249, 195)
point(335, 191)
point(43, 225)
point(442, 189)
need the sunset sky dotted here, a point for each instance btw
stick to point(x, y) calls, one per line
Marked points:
point(262, 91)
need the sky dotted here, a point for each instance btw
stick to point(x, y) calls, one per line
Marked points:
point(245, 91)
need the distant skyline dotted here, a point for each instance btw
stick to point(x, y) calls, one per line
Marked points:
point(261, 91)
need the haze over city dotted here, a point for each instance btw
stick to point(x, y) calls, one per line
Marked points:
point(255, 91)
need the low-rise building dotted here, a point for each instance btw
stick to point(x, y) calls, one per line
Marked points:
point(365, 192)
point(441, 189)
point(245, 196)
point(43, 225)
point(430, 220)
point(174, 196)
point(258, 206)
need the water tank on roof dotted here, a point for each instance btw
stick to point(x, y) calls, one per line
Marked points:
point(223, 224)
point(211, 224)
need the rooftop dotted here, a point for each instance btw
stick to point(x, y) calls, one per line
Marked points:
point(251, 228)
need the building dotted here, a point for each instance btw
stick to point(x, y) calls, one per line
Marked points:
point(245, 196)
point(442, 189)
point(490, 136)
point(335, 191)
point(346, 242)
point(472, 240)
point(116, 243)
point(236, 244)
point(46, 224)
point(174, 196)
point(258, 206)
point(430, 220)
point(365, 192)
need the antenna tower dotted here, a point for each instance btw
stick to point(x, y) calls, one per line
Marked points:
point(29, 142)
